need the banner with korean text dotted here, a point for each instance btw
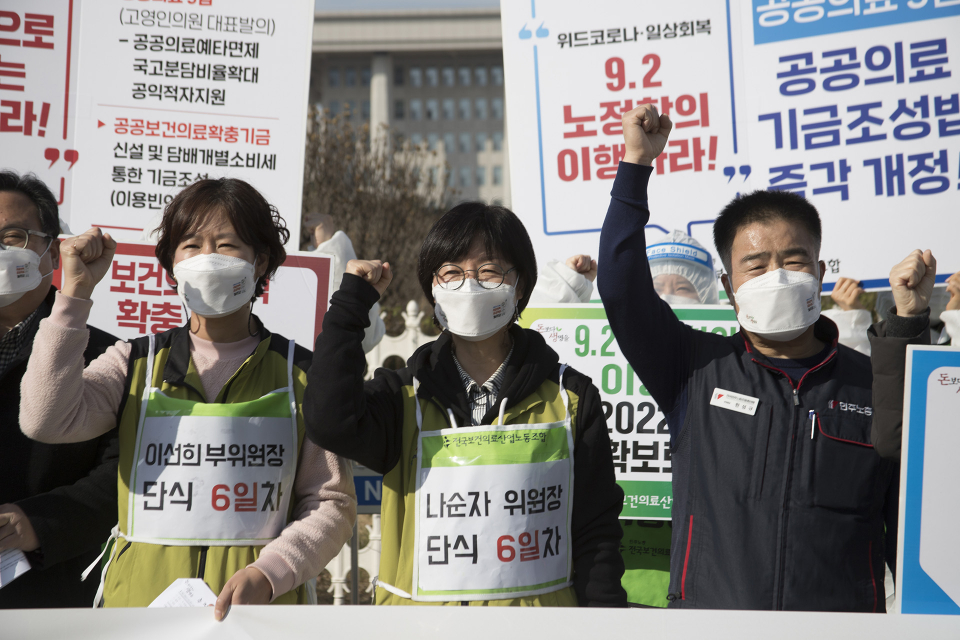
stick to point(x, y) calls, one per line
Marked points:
point(169, 92)
point(39, 41)
point(851, 103)
point(136, 297)
point(639, 438)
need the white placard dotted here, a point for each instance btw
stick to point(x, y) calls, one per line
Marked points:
point(572, 68)
point(763, 95)
point(172, 92)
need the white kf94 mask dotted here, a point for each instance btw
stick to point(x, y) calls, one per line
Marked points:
point(472, 312)
point(214, 285)
point(19, 273)
point(779, 305)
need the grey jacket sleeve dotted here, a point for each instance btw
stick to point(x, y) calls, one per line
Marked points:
point(888, 342)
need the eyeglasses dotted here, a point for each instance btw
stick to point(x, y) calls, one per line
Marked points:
point(489, 276)
point(15, 238)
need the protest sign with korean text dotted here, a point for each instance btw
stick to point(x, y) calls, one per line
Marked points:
point(39, 43)
point(170, 92)
point(640, 441)
point(852, 104)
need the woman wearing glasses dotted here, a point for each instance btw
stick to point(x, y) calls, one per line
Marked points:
point(498, 480)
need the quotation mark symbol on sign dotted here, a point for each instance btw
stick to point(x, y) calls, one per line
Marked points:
point(732, 171)
point(526, 34)
point(70, 155)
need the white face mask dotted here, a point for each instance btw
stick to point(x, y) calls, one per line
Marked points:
point(779, 305)
point(19, 273)
point(678, 301)
point(214, 285)
point(472, 312)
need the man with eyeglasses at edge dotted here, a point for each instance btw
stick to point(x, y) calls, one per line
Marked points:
point(498, 479)
point(780, 500)
point(57, 502)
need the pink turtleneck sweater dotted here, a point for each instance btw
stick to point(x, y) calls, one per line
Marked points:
point(63, 402)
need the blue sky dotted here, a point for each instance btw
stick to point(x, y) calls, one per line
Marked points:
point(372, 5)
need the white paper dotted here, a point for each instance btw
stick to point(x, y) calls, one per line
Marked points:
point(186, 592)
point(13, 564)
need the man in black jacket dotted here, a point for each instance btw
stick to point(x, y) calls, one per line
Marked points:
point(780, 500)
point(57, 502)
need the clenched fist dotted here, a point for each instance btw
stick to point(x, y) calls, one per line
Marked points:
point(846, 293)
point(912, 282)
point(375, 272)
point(645, 132)
point(582, 264)
point(86, 259)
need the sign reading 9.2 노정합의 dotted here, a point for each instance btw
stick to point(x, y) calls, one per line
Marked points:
point(639, 438)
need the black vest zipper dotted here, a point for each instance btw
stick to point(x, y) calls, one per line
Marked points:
point(203, 562)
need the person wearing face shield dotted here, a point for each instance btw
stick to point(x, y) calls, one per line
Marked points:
point(217, 481)
point(780, 501)
point(682, 271)
point(57, 502)
point(498, 483)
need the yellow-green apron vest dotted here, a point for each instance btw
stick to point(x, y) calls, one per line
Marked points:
point(149, 554)
point(437, 554)
point(646, 558)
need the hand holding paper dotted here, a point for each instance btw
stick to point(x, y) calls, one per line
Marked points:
point(16, 532)
point(13, 564)
point(185, 592)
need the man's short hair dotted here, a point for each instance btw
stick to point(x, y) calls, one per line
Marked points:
point(764, 207)
point(33, 188)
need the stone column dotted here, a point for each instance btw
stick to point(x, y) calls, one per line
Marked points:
point(380, 103)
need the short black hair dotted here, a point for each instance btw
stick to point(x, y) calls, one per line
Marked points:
point(32, 187)
point(257, 222)
point(763, 207)
point(502, 234)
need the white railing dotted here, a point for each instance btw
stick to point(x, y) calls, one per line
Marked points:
point(368, 559)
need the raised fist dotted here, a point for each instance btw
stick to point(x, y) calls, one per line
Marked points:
point(375, 272)
point(912, 282)
point(846, 293)
point(85, 259)
point(583, 264)
point(645, 132)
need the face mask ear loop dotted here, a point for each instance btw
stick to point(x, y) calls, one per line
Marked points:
point(49, 244)
point(250, 320)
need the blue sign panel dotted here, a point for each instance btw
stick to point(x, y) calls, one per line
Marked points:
point(930, 483)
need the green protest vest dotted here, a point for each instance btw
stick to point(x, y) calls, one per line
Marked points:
point(646, 558)
point(137, 572)
point(399, 501)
